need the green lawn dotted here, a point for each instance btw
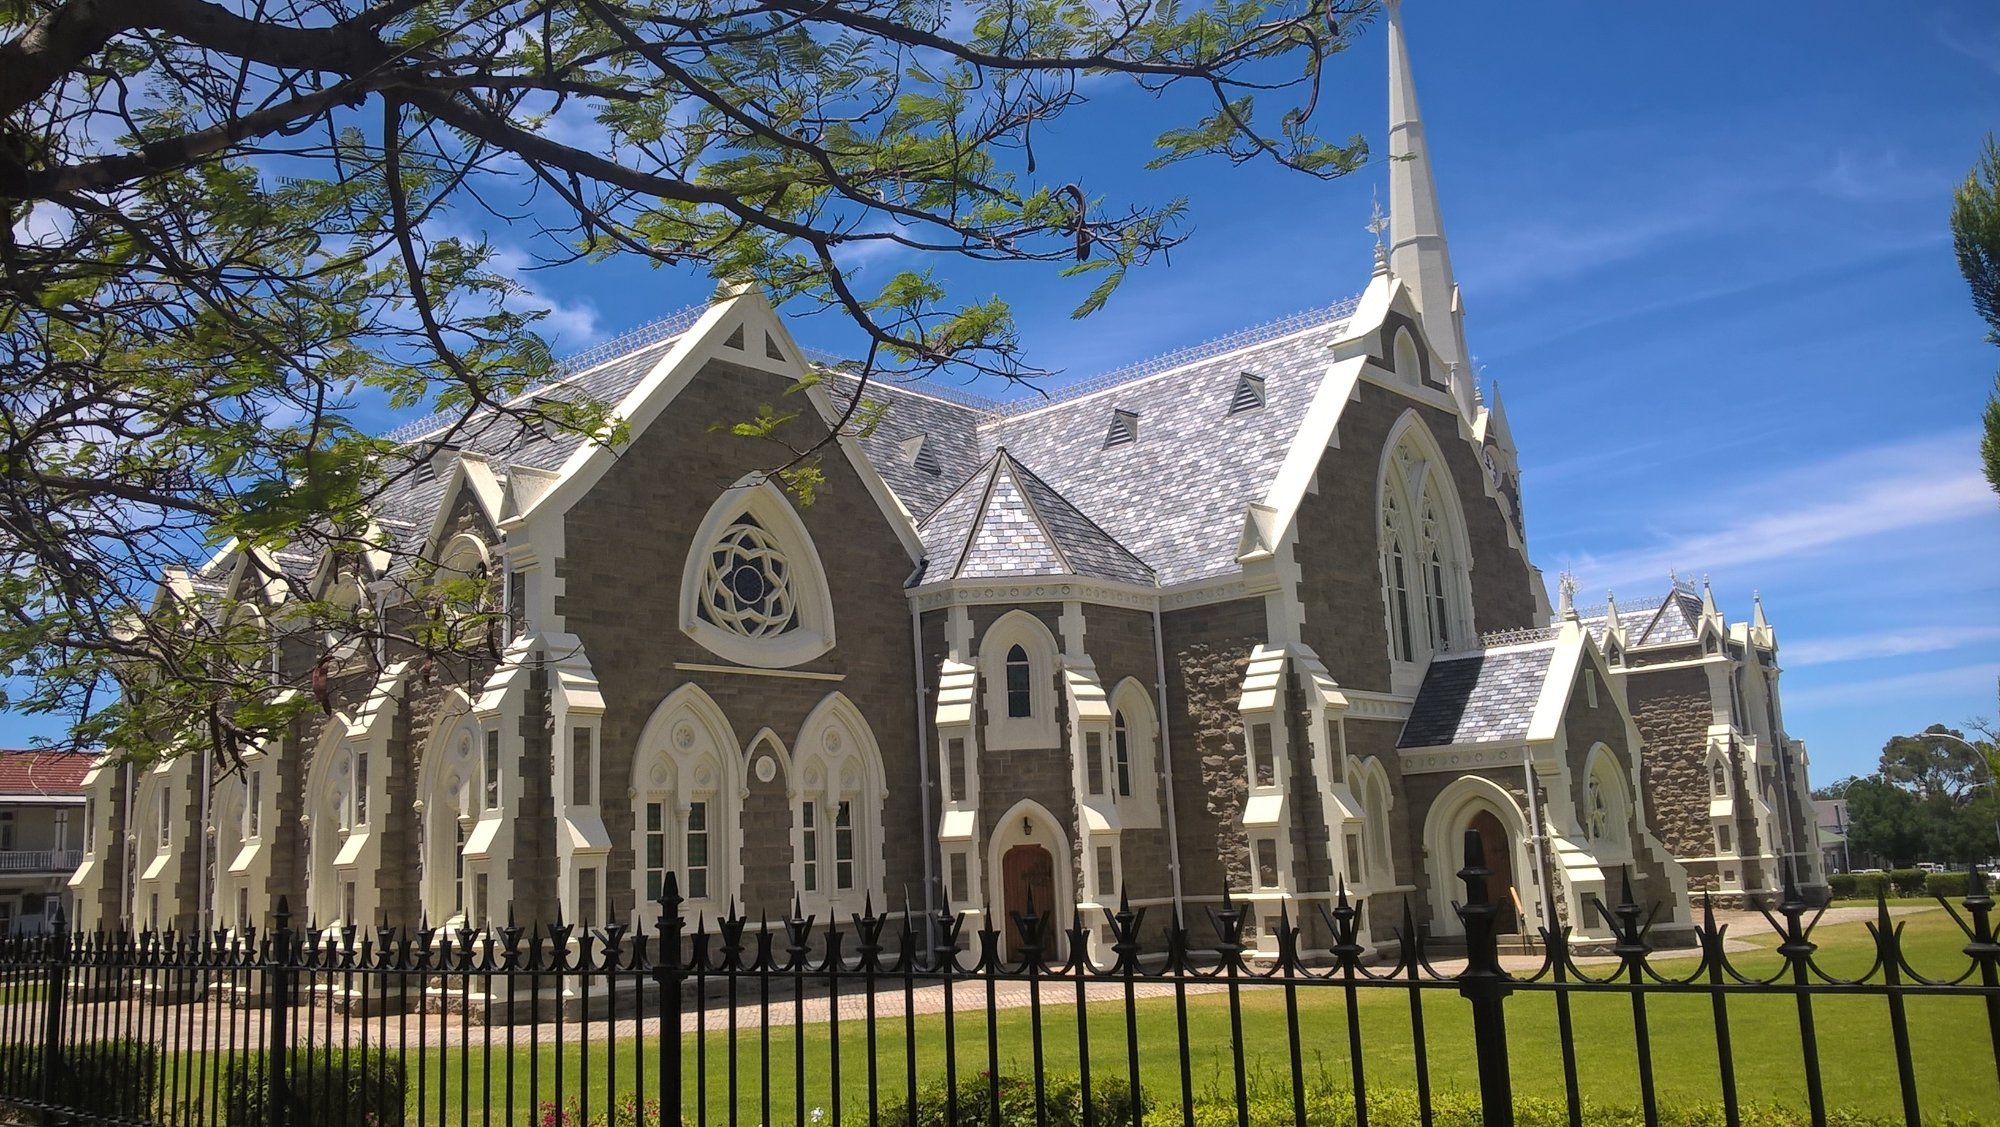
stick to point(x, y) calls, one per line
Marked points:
point(1955, 1067)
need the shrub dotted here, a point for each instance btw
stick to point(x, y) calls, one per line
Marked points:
point(347, 1088)
point(1841, 886)
point(1907, 882)
point(1946, 884)
point(629, 1111)
point(112, 1078)
point(1111, 1102)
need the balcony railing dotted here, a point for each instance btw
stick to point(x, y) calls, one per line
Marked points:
point(40, 860)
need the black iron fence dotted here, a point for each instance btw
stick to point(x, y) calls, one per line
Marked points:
point(912, 1020)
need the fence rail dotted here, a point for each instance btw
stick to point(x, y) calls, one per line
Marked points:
point(40, 860)
point(901, 1020)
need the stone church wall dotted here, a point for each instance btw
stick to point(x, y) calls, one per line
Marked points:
point(1339, 538)
point(1672, 709)
point(626, 542)
point(1207, 651)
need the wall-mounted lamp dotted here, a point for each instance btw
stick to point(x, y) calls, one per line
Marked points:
point(1027, 826)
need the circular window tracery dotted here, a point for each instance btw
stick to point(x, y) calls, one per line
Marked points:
point(746, 583)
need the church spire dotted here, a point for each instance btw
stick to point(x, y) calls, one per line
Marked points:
point(1417, 251)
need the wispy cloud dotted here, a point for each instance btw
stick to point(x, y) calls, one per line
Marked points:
point(1980, 44)
point(1961, 681)
point(1834, 501)
point(1885, 173)
point(1886, 643)
point(1531, 253)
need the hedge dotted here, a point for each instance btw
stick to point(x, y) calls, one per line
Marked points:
point(1901, 882)
point(1327, 1104)
point(110, 1078)
point(1111, 1103)
point(341, 1088)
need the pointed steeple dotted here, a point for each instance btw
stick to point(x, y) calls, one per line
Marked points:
point(1417, 251)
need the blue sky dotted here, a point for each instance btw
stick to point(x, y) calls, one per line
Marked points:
point(1705, 254)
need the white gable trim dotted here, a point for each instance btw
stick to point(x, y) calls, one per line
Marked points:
point(671, 374)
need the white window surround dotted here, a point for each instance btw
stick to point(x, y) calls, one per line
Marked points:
point(1370, 782)
point(781, 540)
point(1132, 702)
point(462, 557)
point(837, 760)
point(1421, 523)
point(1409, 361)
point(688, 753)
point(447, 807)
point(1039, 728)
point(1607, 807)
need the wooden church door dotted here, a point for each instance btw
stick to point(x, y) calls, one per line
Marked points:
point(1499, 851)
point(1028, 874)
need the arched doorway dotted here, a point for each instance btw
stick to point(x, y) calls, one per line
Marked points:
point(1028, 878)
point(1499, 860)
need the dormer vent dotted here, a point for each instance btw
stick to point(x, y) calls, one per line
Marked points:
point(440, 459)
point(1249, 393)
point(1124, 429)
point(921, 453)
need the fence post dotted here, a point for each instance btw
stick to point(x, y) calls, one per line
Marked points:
point(52, 1009)
point(669, 974)
point(1484, 984)
point(278, 984)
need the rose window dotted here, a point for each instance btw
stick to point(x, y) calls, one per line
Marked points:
point(746, 583)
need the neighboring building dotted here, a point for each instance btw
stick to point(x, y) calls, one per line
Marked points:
point(41, 836)
point(1257, 616)
point(1831, 813)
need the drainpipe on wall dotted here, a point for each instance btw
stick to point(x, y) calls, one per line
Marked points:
point(128, 853)
point(924, 772)
point(203, 900)
point(1166, 751)
point(1535, 831)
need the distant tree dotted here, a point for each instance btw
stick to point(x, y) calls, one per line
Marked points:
point(1930, 799)
point(1938, 762)
point(1884, 821)
point(1975, 236)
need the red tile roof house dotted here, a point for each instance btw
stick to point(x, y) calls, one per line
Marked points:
point(41, 835)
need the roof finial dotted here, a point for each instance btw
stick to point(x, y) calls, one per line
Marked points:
point(1566, 585)
point(1378, 223)
point(1757, 618)
point(1417, 248)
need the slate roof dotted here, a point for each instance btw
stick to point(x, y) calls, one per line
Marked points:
point(1005, 522)
point(1167, 508)
point(949, 430)
point(1176, 497)
point(41, 773)
point(1674, 620)
point(1481, 696)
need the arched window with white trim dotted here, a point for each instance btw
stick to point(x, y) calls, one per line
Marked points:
point(1376, 865)
point(1607, 807)
point(1426, 586)
point(448, 790)
point(1017, 663)
point(686, 785)
point(1409, 363)
point(1135, 755)
point(753, 589)
point(837, 812)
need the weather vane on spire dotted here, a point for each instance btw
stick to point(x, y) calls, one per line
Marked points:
point(1378, 223)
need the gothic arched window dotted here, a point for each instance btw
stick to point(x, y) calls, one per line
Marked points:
point(753, 590)
point(1425, 561)
point(1396, 576)
point(1020, 684)
point(1121, 750)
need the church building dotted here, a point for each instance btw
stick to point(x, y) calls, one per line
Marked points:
point(1257, 616)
